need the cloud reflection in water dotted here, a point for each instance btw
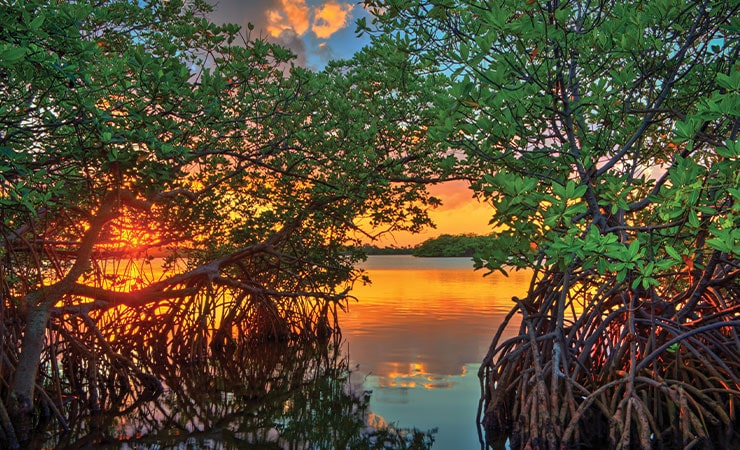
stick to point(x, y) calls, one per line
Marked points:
point(418, 334)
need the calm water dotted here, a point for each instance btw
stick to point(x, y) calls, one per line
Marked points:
point(417, 336)
point(414, 338)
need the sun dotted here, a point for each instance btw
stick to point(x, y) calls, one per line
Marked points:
point(129, 237)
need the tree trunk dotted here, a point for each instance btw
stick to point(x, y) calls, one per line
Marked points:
point(24, 381)
point(40, 303)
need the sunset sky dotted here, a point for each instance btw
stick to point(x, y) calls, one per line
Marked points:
point(318, 31)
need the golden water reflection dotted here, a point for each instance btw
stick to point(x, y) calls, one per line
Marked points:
point(426, 316)
point(417, 335)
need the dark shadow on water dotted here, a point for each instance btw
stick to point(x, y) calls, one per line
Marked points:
point(268, 395)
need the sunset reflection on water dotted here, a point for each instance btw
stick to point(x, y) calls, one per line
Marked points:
point(418, 334)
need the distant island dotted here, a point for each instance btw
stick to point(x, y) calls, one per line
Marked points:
point(445, 245)
point(391, 250)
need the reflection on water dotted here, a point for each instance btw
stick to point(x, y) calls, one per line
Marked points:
point(418, 334)
point(409, 351)
point(275, 395)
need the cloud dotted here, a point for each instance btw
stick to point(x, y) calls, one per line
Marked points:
point(324, 52)
point(293, 15)
point(291, 40)
point(330, 18)
point(303, 26)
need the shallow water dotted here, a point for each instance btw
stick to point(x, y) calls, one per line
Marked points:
point(417, 335)
point(414, 339)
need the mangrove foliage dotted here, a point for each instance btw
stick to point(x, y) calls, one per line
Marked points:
point(604, 135)
point(165, 177)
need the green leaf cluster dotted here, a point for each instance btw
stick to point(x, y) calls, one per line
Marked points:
point(604, 137)
point(590, 128)
point(213, 145)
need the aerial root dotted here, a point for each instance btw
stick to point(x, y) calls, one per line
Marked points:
point(640, 381)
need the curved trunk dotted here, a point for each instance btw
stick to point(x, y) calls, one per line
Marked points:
point(24, 381)
point(40, 304)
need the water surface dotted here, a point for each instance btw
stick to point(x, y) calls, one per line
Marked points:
point(414, 338)
point(418, 334)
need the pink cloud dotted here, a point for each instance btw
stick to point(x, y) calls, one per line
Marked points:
point(296, 16)
point(303, 26)
point(454, 194)
point(293, 15)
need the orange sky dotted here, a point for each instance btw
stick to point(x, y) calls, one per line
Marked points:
point(460, 213)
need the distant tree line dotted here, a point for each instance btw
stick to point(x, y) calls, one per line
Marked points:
point(445, 245)
point(391, 250)
point(452, 245)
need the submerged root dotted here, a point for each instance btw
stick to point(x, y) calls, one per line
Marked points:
point(616, 367)
point(101, 364)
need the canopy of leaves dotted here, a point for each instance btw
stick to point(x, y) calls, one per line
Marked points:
point(577, 114)
point(134, 129)
point(605, 136)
